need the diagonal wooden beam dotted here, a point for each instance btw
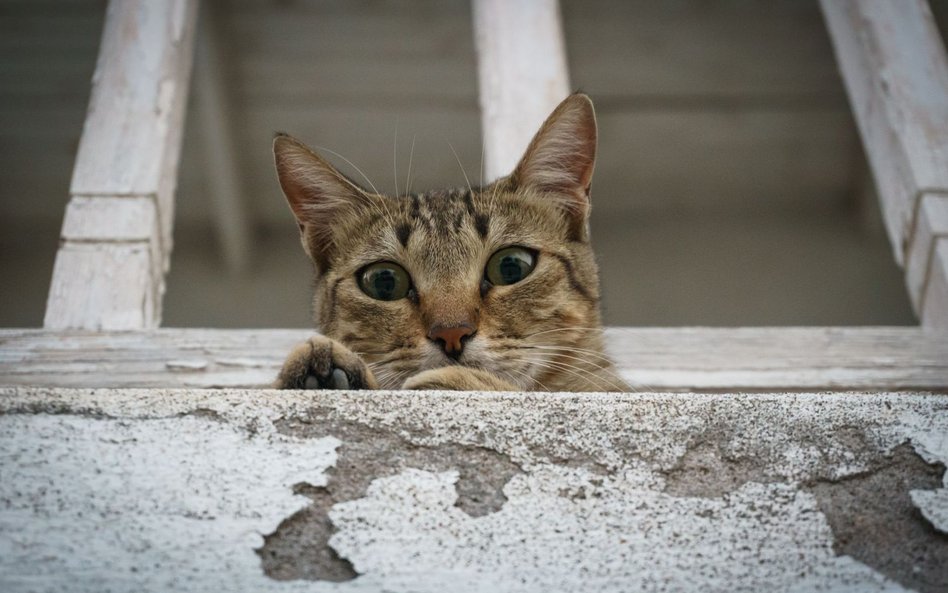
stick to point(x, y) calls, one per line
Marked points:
point(116, 241)
point(895, 67)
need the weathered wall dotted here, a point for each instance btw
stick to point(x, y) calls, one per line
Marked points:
point(257, 490)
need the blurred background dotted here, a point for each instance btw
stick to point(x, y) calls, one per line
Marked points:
point(731, 187)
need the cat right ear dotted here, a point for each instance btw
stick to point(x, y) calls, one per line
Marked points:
point(316, 192)
point(561, 157)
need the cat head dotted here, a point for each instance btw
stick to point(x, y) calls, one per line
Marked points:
point(500, 277)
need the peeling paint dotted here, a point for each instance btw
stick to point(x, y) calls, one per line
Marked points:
point(623, 536)
point(868, 496)
point(933, 505)
point(567, 492)
point(93, 504)
point(299, 548)
point(875, 521)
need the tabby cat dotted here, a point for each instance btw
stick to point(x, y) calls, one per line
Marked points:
point(491, 288)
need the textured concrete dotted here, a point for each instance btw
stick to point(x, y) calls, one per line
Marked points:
point(154, 490)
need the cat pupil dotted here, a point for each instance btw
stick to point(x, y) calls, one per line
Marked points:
point(385, 284)
point(511, 269)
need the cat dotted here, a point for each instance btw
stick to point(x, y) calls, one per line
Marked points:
point(491, 288)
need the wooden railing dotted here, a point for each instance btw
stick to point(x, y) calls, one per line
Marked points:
point(108, 280)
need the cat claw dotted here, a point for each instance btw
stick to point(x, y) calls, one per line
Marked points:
point(335, 380)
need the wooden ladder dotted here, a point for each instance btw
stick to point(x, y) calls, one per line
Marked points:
point(104, 310)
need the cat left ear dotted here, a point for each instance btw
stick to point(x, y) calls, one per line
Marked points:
point(561, 157)
point(317, 193)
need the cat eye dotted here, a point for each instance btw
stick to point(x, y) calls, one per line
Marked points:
point(510, 265)
point(384, 281)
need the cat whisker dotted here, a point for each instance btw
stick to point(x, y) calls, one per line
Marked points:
point(395, 157)
point(550, 365)
point(586, 352)
point(525, 375)
point(391, 379)
point(411, 155)
point(401, 376)
point(463, 172)
point(575, 350)
point(351, 164)
point(483, 145)
point(561, 352)
point(563, 329)
point(378, 352)
point(575, 370)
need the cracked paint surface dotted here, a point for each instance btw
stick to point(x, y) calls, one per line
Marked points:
point(624, 536)
point(299, 548)
point(653, 492)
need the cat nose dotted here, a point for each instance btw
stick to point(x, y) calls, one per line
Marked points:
point(451, 338)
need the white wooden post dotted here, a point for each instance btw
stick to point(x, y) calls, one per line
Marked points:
point(521, 61)
point(116, 238)
point(895, 68)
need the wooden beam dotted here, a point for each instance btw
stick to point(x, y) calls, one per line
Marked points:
point(109, 272)
point(895, 68)
point(522, 72)
point(215, 121)
point(650, 359)
point(924, 260)
point(936, 288)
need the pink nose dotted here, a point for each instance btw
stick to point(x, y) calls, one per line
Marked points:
point(452, 338)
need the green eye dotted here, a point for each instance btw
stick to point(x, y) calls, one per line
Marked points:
point(510, 265)
point(384, 281)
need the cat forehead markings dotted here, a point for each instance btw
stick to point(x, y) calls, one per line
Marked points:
point(440, 216)
point(446, 210)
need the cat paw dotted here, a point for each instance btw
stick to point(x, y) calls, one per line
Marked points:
point(458, 378)
point(324, 363)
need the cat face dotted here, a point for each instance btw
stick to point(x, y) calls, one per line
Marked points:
point(500, 278)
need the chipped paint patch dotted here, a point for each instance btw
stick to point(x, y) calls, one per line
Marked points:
point(874, 520)
point(299, 548)
point(934, 506)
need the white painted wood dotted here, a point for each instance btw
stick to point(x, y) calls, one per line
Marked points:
point(672, 359)
point(934, 310)
point(921, 261)
point(88, 276)
point(896, 72)
point(118, 225)
point(222, 178)
point(129, 150)
point(108, 218)
point(522, 73)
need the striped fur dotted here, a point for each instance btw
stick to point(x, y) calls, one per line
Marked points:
point(543, 333)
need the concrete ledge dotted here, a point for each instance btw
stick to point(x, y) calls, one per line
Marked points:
point(193, 490)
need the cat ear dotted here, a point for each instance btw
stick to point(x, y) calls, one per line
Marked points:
point(316, 192)
point(561, 157)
